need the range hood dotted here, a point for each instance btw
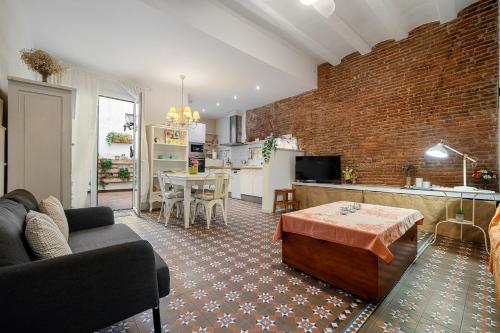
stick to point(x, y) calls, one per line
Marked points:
point(235, 130)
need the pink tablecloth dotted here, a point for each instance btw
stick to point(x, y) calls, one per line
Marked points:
point(372, 228)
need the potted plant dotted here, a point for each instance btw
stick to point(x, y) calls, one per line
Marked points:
point(268, 146)
point(408, 169)
point(349, 176)
point(460, 214)
point(115, 137)
point(124, 174)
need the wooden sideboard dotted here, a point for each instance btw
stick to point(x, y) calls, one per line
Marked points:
point(430, 203)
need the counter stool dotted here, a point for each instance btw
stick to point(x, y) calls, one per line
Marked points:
point(287, 199)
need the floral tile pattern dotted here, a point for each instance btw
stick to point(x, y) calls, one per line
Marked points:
point(230, 279)
point(447, 289)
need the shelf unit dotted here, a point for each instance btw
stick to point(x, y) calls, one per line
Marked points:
point(211, 143)
point(177, 154)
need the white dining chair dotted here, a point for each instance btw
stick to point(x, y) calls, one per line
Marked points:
point(211, 195)
point(171, 195)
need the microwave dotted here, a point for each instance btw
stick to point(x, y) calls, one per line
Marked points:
point(196, 148)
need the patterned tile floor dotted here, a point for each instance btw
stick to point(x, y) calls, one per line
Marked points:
point(447, 289)
point(231, 279)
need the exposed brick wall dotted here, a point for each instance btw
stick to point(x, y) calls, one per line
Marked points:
point(384, 108)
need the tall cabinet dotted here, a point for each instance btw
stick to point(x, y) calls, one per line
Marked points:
point(39, 138)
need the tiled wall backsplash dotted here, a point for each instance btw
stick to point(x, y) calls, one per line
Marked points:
point(239, 154)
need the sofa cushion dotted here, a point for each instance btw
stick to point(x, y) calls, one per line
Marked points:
point(13, 247)
point(53, 208)
point(96, 238)
point(25, 198)
point(44, 237)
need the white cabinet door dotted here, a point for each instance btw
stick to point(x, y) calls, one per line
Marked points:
point(39, 139)
point(246, 182)
point(197, 133)
point(257, 183)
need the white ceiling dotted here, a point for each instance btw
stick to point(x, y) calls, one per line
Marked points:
point(225, 47)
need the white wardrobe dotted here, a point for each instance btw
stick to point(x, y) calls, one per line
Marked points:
point(39, 138)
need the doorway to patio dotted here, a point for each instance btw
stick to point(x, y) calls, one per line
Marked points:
point(115, 153)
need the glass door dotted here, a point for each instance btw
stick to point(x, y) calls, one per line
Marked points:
point(136, 186)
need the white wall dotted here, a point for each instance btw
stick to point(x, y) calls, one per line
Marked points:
point(112, 88)
point(159, 99)
point(211, 124)
point(14, 36)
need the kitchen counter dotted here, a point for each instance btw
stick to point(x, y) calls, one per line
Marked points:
point(243, 167)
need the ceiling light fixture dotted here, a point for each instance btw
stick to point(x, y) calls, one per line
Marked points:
point(203, 110)
point(217, 104)
point(257, 87)
point(308, 2)
point(185, 117)
point(235, 97)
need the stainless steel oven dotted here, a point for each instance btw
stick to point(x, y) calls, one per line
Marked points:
point(201, 163)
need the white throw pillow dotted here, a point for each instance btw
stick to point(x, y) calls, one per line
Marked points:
point(44, 237)
point(53, 208)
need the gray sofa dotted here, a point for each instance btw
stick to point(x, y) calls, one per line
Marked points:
point(112, 274)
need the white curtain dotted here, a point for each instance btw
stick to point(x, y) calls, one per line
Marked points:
point(136, 92)
point(84, 134)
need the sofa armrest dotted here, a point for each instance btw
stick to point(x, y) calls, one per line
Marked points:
point(86, 218)
point(80, 292)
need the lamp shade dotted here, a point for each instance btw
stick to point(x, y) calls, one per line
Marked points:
point(172, 113)
point(187, 112)
point(196, 116)
point(437, 151)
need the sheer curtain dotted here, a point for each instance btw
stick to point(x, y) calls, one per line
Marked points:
point(136, 92)
point(84, 131)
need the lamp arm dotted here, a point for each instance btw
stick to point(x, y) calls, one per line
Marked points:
point(465, 156)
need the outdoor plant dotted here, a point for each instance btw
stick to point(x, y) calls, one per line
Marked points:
point(124, 174)
point(460, 210)
point(103, 184)
point(105, 164)
point(117, 137)
point(268, 146)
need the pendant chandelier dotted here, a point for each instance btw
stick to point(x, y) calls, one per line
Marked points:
point(184, 117)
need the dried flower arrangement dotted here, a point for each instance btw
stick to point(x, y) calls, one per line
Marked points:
point(41, 62)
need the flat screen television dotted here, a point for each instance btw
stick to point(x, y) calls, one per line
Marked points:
point(318, 169)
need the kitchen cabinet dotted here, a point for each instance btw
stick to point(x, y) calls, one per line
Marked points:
point(223, 130)
point(197, 133)
point(251, 182)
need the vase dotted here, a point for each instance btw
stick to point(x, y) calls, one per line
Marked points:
point(408, 181)
point(459, 217)
point(44, 75)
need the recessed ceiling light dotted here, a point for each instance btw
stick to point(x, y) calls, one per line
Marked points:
point(203, 110)
point(235, 97)
point(217, 104)
point(257, 87)
point(308, 2)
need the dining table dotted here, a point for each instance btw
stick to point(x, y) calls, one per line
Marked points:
point(187, 181)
